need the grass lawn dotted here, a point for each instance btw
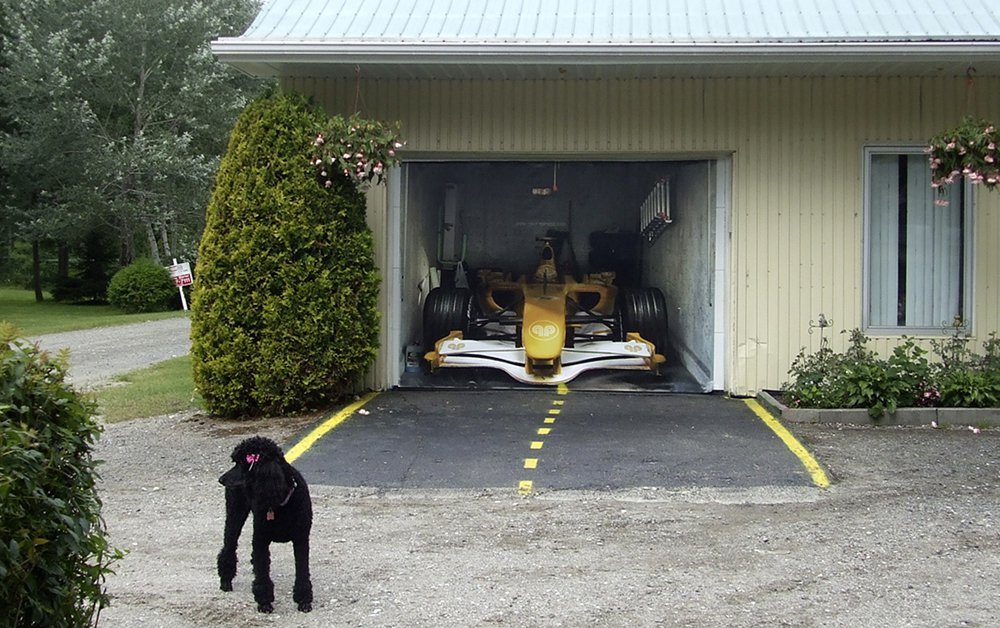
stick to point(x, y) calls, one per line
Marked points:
point(32, 318)
point(163, 388)
point(160, 389)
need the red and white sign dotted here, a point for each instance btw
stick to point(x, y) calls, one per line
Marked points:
point(181, 274)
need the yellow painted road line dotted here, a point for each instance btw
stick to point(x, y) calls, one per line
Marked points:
point(819, 477)
point(527, 487)
point(303, 445)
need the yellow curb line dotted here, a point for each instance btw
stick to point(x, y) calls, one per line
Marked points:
point(303, 445)
point(819, 477)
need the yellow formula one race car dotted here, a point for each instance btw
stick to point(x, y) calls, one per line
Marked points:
point(543, 328)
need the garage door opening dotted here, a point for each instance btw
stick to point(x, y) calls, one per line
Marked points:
point(652, 223)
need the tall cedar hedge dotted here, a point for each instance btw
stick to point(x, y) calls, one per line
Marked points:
point(284, 314)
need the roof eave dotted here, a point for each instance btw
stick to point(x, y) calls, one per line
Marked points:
point(256, 56)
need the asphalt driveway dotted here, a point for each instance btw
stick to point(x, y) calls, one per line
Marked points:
point(550, 440)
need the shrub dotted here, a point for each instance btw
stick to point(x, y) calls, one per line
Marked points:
point(284, 311)
point(858, 378)
point(142, 286)
point(54, 553)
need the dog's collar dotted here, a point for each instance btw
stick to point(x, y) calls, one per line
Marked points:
point(295, 485)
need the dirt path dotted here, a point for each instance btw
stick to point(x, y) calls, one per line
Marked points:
point(907, 536)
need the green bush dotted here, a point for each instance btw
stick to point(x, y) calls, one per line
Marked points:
point(284, 312)
point(858, 378)
point(142, 286)
point(54, 553)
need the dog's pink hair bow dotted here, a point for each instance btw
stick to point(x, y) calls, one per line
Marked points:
point(252, 458)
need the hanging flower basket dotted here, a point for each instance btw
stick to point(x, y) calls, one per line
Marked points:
point(359, 149)
point(968, 150)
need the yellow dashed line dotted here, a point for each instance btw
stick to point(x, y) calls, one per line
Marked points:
point(815, 471)
point(303, 445)
point(526, 487)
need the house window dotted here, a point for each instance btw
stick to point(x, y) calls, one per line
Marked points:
point(918, 249)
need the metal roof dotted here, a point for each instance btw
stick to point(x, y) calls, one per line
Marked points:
point(440, 37)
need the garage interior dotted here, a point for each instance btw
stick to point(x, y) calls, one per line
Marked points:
point(462, 216)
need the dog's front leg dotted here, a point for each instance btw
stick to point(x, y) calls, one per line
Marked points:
point(237, 509)
point(302, 591)
point(263, 588)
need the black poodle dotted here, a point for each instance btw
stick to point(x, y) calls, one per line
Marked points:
point(262, 482)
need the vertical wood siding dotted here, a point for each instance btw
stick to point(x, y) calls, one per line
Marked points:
point(797, 146)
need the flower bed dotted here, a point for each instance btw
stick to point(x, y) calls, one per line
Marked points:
point(905, 387)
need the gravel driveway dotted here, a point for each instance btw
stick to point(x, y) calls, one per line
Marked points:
point(97, 355)
point(907, 535)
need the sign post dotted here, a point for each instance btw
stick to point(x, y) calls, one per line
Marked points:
point(181, 274)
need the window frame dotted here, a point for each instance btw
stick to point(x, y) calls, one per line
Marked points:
point(946, 327)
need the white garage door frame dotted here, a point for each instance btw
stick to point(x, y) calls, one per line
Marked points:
point(396, 221)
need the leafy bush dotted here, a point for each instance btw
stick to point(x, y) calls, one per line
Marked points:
point(858, 378)
point(142, 286)
point(284, 311)
point(54, 553)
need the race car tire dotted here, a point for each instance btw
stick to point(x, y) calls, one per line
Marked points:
point(445, 310)
point(644, 310)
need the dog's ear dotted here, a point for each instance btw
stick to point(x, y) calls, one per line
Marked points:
point(270, 487)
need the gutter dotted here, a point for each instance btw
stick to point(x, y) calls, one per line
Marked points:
point(236, 49)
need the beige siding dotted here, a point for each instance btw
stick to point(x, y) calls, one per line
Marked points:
point(797, 147)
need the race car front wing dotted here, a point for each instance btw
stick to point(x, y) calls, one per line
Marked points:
point(634, 353)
